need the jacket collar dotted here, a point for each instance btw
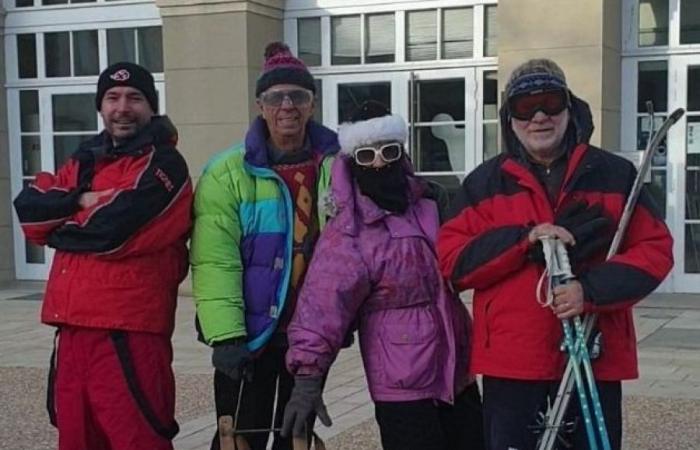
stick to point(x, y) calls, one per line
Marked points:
point(323, 142)
point(159, 131)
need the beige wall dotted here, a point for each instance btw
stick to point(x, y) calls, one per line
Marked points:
point(213, 53)
point(583, 37)
point(7, 271)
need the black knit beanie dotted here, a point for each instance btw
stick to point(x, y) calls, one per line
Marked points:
point(127, 74)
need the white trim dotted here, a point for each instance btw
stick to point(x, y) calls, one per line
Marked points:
point(307, 8)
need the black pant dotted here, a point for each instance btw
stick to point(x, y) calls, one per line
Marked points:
point(513, 408)
point(432, 425)
point(270, 377)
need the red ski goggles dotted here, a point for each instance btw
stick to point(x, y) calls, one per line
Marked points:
point(525, 106)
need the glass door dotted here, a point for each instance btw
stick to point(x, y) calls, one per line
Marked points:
point(685, 168)
point(52, 123)
point(442, 115)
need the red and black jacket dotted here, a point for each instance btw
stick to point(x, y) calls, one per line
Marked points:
point(485, 247)
point(117, 264)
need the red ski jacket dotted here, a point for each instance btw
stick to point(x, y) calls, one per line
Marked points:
point(118, 263)
point(485, 248)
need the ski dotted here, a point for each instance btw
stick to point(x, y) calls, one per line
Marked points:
point(555, 416)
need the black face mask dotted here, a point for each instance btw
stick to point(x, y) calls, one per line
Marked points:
point(386, 186)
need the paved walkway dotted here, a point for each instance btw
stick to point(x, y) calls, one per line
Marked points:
point(668, 331)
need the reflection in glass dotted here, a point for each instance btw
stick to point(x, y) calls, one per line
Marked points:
point(121, 45)
point(457, 33)
point(64, 146)
point(31, 155)
point(451, 183)
point(439, 97)
point(85, 53)
point(439, 147)
point(345, 40)
point(350, 96)
point(57, 54)
point(309, 40)
point(34, 253)
point(53, 2)
point(490, 95)
point(490, 140)
point(74, 112)
point(379, 38)
point(490, 31)
point(693, 100)
point(643, 132)
point(29, 110)
point(657, 189)
point(150, 40)
point(318, 101)
point(690, 22)
point(26, 55)
point(652, 85)
point(23, 3)
point(421, 35)
point(653, 22)
point(692, 248)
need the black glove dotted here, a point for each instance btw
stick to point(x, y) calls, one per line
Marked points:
point(305, 400)
point(590, 227)
point(231, 357)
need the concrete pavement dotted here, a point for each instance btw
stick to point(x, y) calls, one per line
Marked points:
point(668, 331)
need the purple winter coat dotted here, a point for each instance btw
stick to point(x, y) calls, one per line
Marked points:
point(379, 271)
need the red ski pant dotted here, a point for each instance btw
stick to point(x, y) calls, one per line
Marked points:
point(95, 409)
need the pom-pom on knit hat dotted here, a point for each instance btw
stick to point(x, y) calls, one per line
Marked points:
point(281, 67)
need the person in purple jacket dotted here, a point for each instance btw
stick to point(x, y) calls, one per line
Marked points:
point(375, 268)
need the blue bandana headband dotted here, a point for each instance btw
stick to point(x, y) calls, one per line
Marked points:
point(531, 82)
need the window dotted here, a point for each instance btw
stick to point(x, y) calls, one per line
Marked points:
point(653, 22)
point(31, 155)
point(352, 95)
point(456, 37)
point(457, 33)
point(83, 59)
point(380, 40)
point(421, 35)
point(490, 115)
point(690, 22)
point(26, 55)
point(23, 3)
point(309, 40)
point(74, 120)
point(345, 40)
point(143, 46)
point(490, 31)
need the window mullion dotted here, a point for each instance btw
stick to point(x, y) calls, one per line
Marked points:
point(438, 32)
point(40, 56)
point(363, 34)
point(137, 57)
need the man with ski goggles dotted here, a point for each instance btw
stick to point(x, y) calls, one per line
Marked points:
point(549, 182)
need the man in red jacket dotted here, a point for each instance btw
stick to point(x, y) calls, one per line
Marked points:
point(549, 182)
point(118, 214)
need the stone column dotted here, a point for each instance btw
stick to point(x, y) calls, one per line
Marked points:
point(7, 267)
point(213, 53)
point(583, 37)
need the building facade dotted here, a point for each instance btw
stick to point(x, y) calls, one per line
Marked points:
point(441, 64)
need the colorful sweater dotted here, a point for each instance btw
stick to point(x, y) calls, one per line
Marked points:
point(242, 241)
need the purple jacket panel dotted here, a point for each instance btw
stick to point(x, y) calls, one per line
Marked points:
point(379, 271)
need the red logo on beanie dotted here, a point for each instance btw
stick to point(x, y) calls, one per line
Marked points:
point(120, 75)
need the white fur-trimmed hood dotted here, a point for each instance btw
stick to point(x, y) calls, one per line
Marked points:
point(357, 134)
